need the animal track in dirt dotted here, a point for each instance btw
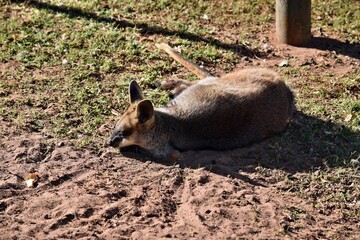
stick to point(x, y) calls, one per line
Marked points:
point(62, 221)
point(61, 179)
point(85, 212)
point(110, 212)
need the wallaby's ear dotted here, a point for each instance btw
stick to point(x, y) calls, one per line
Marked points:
point(135, 92)
point(145, 110)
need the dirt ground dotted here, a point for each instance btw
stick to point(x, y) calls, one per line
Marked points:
point(81, 195)
point(207, 195)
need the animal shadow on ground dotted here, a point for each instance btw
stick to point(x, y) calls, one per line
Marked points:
point(307, 144)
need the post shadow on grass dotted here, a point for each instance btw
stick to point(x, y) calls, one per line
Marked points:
point(344, 48)
point(307, 144)
point(144, 28)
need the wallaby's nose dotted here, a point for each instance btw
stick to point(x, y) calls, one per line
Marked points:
point(113, 141)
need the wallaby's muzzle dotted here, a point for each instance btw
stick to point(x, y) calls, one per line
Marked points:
point(114, 140)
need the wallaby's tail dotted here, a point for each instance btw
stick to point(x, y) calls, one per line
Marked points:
point(201, 73)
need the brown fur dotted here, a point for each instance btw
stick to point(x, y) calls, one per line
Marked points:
point(234, 110)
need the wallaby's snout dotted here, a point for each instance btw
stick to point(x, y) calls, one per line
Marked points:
point(115, 139)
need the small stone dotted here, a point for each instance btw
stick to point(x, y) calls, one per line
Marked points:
point(32, 180)
point(205, 17)
point(30, 183)
point(355, 162)
point(284, 63)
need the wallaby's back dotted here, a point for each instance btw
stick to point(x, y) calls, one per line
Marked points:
point(234, 110)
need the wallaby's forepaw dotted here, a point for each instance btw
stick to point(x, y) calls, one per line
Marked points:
point(170, 84)
point(175, 154)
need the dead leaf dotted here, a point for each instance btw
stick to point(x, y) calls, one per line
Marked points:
point(348, 117)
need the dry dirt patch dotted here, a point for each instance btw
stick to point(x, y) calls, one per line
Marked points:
point(83, 195)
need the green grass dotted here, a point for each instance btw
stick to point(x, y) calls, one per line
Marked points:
point(342, 16)
point(329, 190)
point(79, 57)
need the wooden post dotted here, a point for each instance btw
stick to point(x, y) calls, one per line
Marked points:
point(293, 21)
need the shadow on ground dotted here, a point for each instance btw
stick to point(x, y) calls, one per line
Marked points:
point(330, 44)
point(321, 43)
point(144, 28)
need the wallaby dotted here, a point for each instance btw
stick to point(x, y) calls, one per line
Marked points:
point(219, 113)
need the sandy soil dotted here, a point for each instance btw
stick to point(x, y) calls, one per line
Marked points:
point(207, 195)
point(82, 195)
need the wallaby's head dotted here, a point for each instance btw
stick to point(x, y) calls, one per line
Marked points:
point(136, 123)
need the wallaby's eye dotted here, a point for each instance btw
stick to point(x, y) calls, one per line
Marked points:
point(127, 132)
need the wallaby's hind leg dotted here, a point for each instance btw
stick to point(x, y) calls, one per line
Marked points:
point(175, 83)
point(176, 86)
